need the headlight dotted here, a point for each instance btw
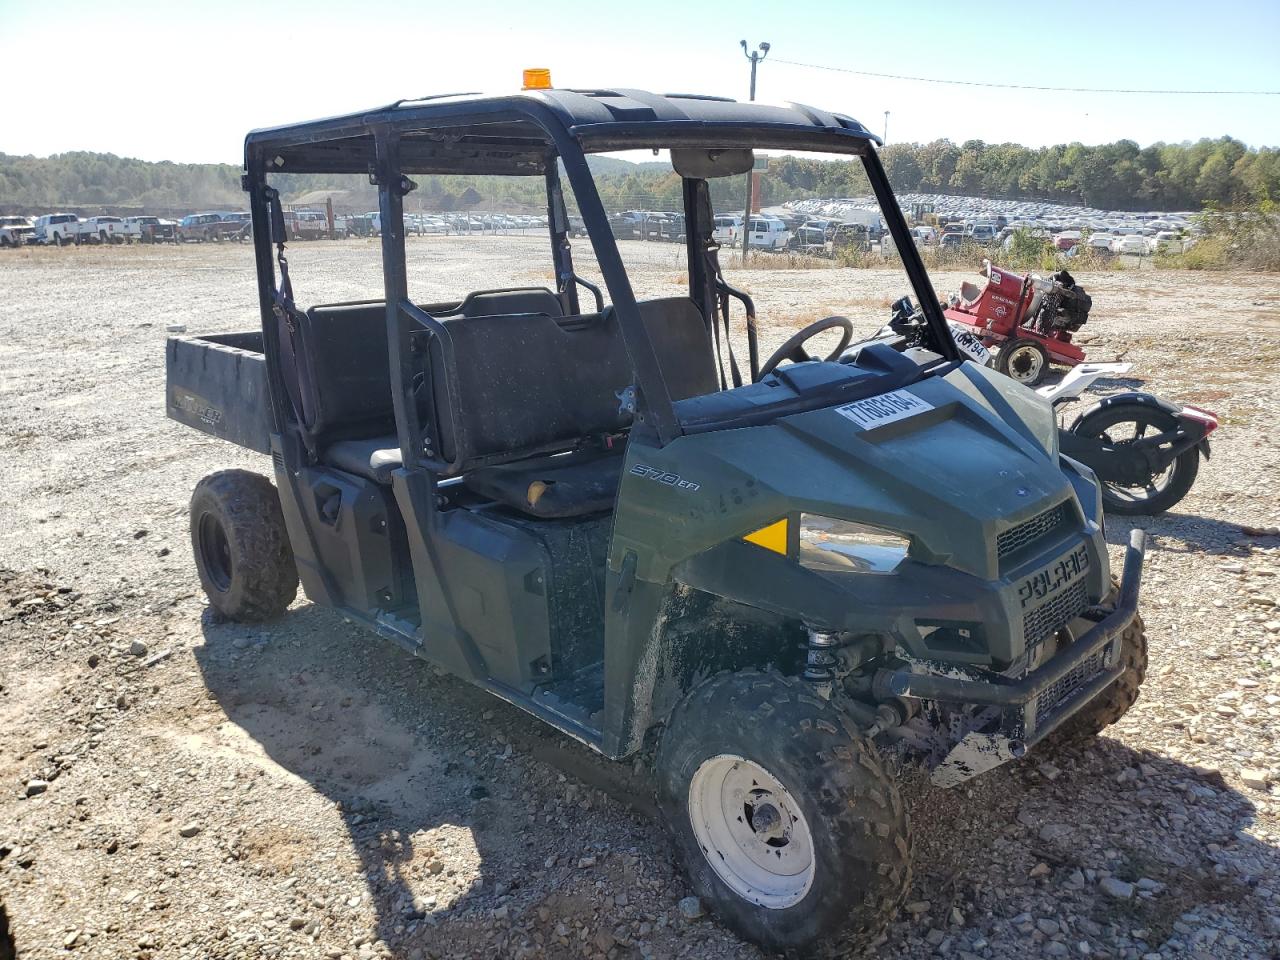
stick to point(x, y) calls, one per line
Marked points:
point(846, 546)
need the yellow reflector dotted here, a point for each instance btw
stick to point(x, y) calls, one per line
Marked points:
point(537, 78)
point(773, 537)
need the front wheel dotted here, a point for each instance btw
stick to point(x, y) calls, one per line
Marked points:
point(1122, 424)
point(1023, 360)
point(788, 826)
point(241, 546)
point(1114, 702)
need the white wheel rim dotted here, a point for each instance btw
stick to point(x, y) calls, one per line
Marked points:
point(751, 831)
point(1034, 364)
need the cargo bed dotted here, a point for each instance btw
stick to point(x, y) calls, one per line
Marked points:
point(218, 384)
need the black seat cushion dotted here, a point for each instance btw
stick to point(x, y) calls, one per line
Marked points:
point(374, 458)
point(567, 485)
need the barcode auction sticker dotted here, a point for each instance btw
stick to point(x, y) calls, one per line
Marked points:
point(886, 408)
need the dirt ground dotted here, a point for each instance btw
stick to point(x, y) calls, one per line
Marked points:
point(174, 786)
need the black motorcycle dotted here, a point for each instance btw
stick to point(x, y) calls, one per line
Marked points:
point(1145, 450)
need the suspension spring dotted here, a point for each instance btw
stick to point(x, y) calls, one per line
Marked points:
point(820, 662)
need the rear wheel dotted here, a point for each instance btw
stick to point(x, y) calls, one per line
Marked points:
point(1125, 423)
point(241, 547)
point(1024, 360)
point(788, 826)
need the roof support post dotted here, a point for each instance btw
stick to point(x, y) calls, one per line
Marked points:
point(392, 186)
point(911, 262)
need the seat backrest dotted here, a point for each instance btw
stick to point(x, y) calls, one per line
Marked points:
point(526, 383)
point(683, 344)
point(346, 388)
point(346, 385)
point(488, 303)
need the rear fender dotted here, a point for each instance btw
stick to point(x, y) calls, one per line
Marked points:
point(1146, 399)
point(1193, 428)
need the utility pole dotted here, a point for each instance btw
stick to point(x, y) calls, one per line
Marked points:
point(755, 56)
point(886, 126)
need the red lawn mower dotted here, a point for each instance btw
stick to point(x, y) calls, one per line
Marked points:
point(1028, 319)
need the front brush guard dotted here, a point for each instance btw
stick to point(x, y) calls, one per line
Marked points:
point(1033, 706)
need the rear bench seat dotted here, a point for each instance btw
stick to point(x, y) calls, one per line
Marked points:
point(528, 383)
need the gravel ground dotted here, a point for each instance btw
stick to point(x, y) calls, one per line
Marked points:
point(175, 786)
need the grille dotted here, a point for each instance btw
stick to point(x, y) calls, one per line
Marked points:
point(1029, 531)
point(1043, 622)
point(1052, 696)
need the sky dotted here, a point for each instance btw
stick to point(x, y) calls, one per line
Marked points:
point(185, 81)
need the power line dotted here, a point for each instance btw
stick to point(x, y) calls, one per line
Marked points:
point(1026, 86)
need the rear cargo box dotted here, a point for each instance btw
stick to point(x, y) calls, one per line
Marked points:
point(218, 384)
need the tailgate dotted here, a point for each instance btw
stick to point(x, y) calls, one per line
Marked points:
point(218, 385)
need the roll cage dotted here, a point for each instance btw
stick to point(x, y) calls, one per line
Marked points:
point(525, 134)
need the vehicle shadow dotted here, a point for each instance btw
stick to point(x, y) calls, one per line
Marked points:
point(429, 775)
point(1175, 532)
point(1066, 818)
point(454, 804)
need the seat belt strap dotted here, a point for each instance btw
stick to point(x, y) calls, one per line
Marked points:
point(296, 375)
point(716, 276)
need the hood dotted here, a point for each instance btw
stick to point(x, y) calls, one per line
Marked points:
point(970, 458)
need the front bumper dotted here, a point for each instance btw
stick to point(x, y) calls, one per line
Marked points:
point(1026, 709)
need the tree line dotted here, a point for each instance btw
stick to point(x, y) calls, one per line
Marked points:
point(1120, 176)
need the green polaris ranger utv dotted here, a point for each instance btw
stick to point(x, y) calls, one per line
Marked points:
point(606, 509)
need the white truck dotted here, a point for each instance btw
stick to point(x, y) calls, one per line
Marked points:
point(727, 230)
point(102, 230)
point(15, 231)
point(57, 228)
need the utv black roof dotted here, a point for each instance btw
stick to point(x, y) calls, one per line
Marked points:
point(515, 133)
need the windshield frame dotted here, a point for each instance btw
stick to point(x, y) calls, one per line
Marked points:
point(663, 135)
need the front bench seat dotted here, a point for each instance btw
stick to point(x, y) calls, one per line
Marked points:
point(529, 382)
point(564, 485)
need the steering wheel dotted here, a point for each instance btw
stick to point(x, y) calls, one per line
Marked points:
point(793, 349)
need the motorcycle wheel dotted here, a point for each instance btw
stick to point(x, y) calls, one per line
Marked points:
point(1023, 360)
point(1124, 423)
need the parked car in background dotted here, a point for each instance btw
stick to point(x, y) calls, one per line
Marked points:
point(356, 225)
point(1168, 241)
point(925, 235)
point(768, 233)
point(982, 233)
point(204, 227)
point(1067, 239)
point(849, 236)
point(102, 230)
point(1133, 245)
point(811, 236)
point(727, 231)
point(16, 231)
point(240, 225)
point(57, 228)
point(311, 225)
point(953, 238)
point(149, 229)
